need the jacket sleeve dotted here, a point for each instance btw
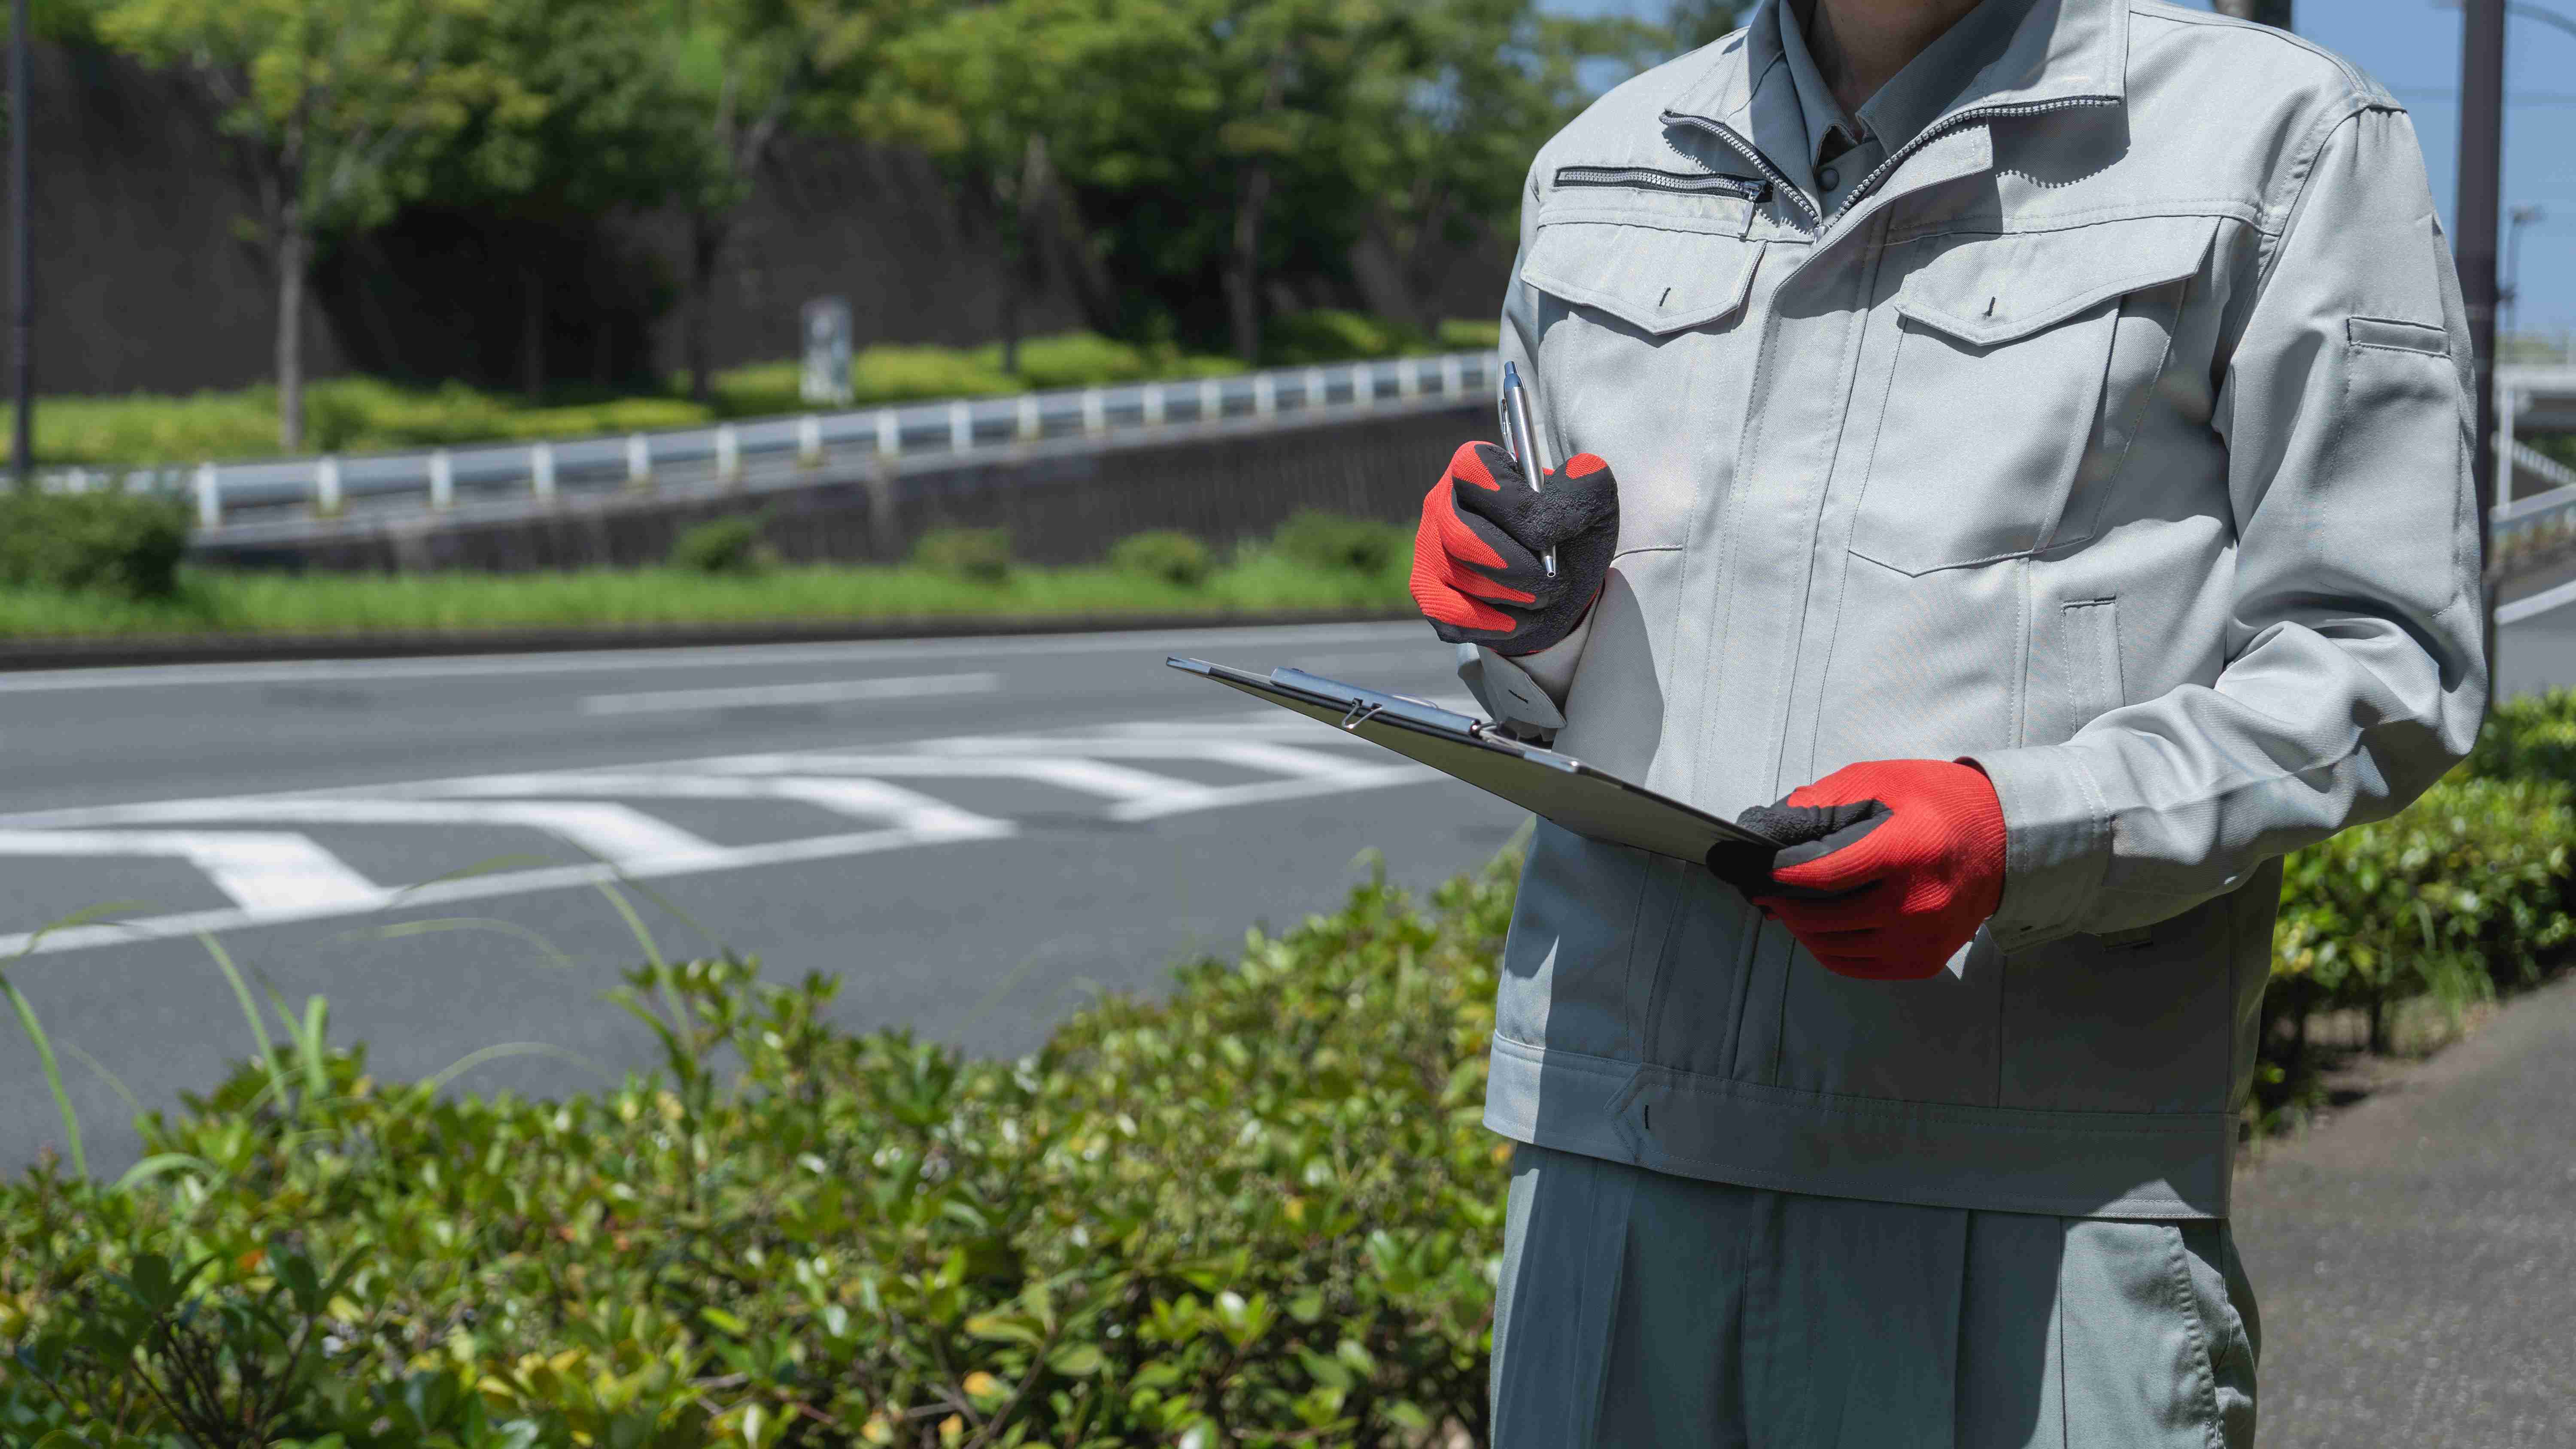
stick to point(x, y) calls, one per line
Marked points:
point(2355, 672)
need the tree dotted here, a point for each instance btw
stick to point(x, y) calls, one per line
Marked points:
point(2269, 12)
point(1690, 24)
point(326, 101)
point(744, 71)
point(1492, 80)
point(595, 126)
point(986, 89)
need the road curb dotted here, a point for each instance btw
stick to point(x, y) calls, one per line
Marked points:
point(20, 656)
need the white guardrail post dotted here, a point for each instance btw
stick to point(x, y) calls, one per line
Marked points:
point(1029, 425)
point(1315, 393)
point(639, 460)
point(961, 426)
point(1095, 412)
point(1452, 381)
point(1265, 396)
point(1153, 404)
point(210, 496)
point(442, 481)
point(809, 441)
point(728, 452)
point(326, 485)
point(541, 471)
point(889, 433)
point(1211, 400)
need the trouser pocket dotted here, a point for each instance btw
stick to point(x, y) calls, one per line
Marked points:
point(2153, 1351)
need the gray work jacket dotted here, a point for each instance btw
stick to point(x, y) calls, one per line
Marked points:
point(2114, 434)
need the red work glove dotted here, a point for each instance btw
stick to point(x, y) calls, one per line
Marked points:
point(1899, 862)
point(1477, 575)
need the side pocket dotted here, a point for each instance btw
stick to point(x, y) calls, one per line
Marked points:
point(2094, 685)
point(2223, 1304)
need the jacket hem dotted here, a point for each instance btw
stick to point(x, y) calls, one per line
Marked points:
point(2150, 1165)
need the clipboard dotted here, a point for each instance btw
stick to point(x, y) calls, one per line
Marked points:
point(1586, 800)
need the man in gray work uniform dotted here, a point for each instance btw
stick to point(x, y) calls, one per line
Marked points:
point(2040, 434)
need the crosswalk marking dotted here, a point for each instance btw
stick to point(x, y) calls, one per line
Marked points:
point(273, 876)
point(261, 870)
point(618, 834)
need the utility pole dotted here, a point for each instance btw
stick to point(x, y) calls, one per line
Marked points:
point(2474, 227)
point(2270, 12)
point(22, 266)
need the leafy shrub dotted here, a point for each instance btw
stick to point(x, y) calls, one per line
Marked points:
point(983, 554)
point(2528, 737)
point(1166, 554)
point(122, 544)
point(2457, 895)
point(1461, 334)
point(1303, 338)
point(1332, 541)
point(726, 547)
point(1261, 1213)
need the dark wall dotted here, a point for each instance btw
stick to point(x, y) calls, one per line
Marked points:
point(142, 281)
point(146, 284)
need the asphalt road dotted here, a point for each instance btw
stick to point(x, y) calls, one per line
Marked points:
point(974, 835)
point(2415, 1257)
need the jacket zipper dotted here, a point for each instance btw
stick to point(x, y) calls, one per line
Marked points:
point(1896, 158)
point(1644, 178)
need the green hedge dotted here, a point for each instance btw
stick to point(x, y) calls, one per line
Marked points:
point(122, 545)
point(362, 414)
point(1261, 1214)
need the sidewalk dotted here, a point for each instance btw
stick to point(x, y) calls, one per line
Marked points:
point(2415, 1257)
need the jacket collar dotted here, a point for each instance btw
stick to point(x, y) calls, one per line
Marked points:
point(2063, 50)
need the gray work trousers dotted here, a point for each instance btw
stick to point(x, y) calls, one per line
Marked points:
point(1642, 1309)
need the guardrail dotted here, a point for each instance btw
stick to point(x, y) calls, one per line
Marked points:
point(439, 479)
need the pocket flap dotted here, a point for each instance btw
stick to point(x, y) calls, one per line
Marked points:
point(1995, 289)
point(1661, 281)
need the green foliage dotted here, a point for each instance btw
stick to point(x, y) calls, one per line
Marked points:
point(1263, 1213)
point(981, 554)
point(1334, 541)
point(724, 547)
point(124, 545)
point(2461, 892)
point(1332, 336)
point(2528, 737)
point(1165, 554)
point(214, 603)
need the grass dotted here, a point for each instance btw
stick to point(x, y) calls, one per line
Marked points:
point(211, 602)
point(362, 414)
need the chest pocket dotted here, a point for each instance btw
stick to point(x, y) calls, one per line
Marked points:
point(2021, 368)
point(1657, 279)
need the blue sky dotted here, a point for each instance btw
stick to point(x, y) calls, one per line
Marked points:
point(2413, 46)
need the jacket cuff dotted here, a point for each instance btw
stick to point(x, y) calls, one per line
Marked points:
point(2057, 843)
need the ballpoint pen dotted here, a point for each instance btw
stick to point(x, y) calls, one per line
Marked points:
point(1520, 439)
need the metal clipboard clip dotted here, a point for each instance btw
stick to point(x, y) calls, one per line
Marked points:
point(1361, 712)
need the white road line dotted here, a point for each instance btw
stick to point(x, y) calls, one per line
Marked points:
point(2537, 604)
point(1089, 777)
point(821, 847)
point(760, 696)
point(865, 799)
point(1145, 644)
point(616, 834)
point(1269, 791)
point(263, 871)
